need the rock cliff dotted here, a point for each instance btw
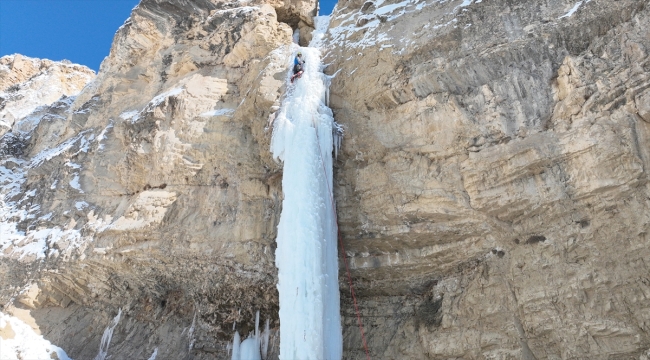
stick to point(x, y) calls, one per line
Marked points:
point(28, 83)
point(496, 205)
point(492, 187)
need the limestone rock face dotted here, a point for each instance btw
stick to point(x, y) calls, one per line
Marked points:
point(493, 186)
point(27, 83)
point(153, 190)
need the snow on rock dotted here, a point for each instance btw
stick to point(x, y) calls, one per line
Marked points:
point(363, 30)
point(306, 255)
point(219, 112)
point(19, 341)
point(574, 9)
point(155, 353)
point(48, 154)
point(28, 83)
point(38, 241)
point(74, 183)
point(102, 135)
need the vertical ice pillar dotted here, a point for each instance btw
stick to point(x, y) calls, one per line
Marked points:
point(306, 256)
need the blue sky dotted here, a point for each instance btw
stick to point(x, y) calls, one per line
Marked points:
point(326, 6)
point(78, 30)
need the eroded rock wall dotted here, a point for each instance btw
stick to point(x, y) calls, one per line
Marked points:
point(153, 191)
point(492, 189)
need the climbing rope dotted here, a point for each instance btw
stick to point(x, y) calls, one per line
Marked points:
point(345, 258)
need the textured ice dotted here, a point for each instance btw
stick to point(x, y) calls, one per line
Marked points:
point(306, 256)
point(107, 336)
point(255, 347)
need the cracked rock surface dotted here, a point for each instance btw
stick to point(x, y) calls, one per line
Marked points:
point(492, 188)
point(496, 205)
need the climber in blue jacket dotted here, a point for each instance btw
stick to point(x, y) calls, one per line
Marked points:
point(298, 66)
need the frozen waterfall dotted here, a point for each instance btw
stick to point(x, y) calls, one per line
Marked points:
point(306, 256)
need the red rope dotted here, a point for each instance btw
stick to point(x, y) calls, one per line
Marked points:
point(345, 258)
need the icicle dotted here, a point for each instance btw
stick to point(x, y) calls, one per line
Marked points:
point(190, 333)
point(108, 335)
point(235, 347)
point(265, 340)
point(337, 133)
point(250, 349)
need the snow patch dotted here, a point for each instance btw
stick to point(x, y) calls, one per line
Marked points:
point(32, 244)
point(131, 116)
point(218, 112)
point(160, 98)
point(102, 135)
point(574, 9)
point(80, 205)
point(74, 183)
point(49, 154)
point(19, 341)
point(72, 165)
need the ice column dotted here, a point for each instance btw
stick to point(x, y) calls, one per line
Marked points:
point(107, 336)
point(306, 256)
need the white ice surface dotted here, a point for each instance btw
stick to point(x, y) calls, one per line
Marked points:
point(236, 342)
point(250, 349)
point(255, 347)
point(219, 112)
point(107, 336)
point(306, 255)
point(574, 9)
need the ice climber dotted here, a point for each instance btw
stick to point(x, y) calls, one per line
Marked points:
point(298, 64)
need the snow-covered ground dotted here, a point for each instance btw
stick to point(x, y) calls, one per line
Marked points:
point(306, 256)
point(19, 341)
